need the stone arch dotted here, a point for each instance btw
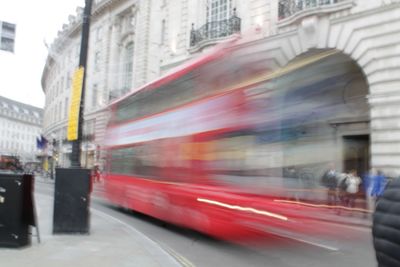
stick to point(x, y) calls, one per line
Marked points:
point(328, 114)
point(371, 40)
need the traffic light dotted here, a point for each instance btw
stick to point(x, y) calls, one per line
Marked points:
point(7, 36)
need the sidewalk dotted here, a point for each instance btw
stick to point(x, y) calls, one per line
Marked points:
point(41, 179)
point(356, 219)
point(360, 216)
point(111, 243)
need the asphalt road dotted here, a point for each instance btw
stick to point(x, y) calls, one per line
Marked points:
point(194, 249)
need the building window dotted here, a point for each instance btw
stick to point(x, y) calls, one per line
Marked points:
point(60, 111)
point(94, 95)
point(77, 50)
point(163, 29)
point(66, 107)
point(68, 80)
point(131, 21)
point(69, 56)
point(128, 66)
point(97, 59)
point(99, 33)
point(62, 84)
point(218, 10)
point(7, 44)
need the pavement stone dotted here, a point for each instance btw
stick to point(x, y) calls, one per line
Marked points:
point(110, 243)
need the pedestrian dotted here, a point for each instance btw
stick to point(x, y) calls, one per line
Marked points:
point(96, 174)
point(378, 184)
point(329, 180)
point(353, 182)
point(368, 186)
point(342, 189)
point(386, 226)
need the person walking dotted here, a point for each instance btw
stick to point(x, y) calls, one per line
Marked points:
point(96, 174)
point(368, 182)
point(353, 182)
point(374, 183)
point(342, 190)
point(378, 184)
point(329, 180)
point(386, 226)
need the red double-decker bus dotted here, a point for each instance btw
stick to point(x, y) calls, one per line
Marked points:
point(201, 147)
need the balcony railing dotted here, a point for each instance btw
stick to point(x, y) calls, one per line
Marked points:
point(288, 8)
point(215, 29)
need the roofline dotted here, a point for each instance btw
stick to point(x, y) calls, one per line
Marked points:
point(21, 104)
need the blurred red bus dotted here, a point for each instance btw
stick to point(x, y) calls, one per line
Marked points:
point(182, 149)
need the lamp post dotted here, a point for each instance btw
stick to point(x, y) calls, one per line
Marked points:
point(76, 145)
point(72, 186)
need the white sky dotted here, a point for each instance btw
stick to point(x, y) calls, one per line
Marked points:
point(37, 20)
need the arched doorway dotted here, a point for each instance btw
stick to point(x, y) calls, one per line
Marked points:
point(324, 116)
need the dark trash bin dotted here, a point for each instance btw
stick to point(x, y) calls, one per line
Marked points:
point(16, 209)
point(71, 201)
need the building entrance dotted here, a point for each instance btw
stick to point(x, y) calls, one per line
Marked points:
point(356, 153)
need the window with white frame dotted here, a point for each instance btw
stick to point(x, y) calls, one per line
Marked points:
point(97, 59)
point(94, 95)
point(163, 31)
point(77, 50)
point(66, 107)
point(218, 10)
point(128, 66)
point(68, 80)
point(59, 113)
point(99, 33)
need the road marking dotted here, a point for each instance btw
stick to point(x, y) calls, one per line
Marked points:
point(182, 260)
point(290, 235)
point(248, 209)
point(314, 243)
point(298, 239)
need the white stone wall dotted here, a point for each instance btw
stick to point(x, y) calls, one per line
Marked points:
point(18, 130)
point(371, 38)
point(366, 30)
point(119, 21)
point(181, 14)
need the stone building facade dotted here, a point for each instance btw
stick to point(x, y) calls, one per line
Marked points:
point(20, 125)
point(134, 42)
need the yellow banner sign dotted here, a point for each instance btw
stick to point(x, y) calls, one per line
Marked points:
point(76, 94)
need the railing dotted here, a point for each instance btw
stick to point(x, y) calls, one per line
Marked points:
point(288, 8)
point(215, 29)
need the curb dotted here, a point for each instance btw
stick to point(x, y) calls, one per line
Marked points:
point(366, 224)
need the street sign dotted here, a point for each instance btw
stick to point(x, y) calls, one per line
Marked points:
point(7, 36)
point(77, 82)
